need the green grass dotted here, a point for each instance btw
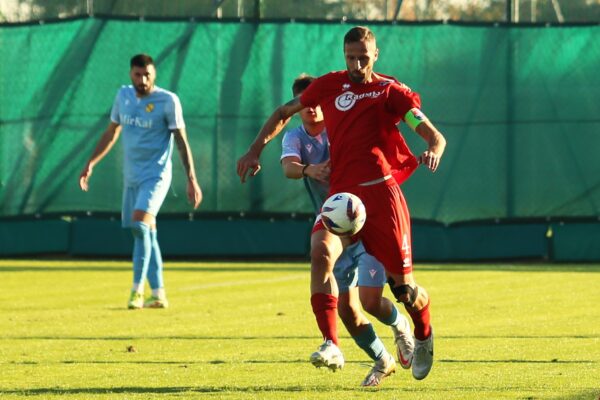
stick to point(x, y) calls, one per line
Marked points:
point(245, 331)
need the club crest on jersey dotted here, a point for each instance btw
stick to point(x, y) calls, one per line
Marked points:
point(149, 107)
point(346, 100)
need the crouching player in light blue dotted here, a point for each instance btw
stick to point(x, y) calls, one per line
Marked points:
point(305, 154)
point(149, 118)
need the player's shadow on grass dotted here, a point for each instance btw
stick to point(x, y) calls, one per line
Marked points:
point(166, 390)
point(269, 338)
point(588, 394)
point(185, 364)
point(511, 361)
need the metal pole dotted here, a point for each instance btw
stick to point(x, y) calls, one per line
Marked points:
point(516, 19)
point(509, 15)
point(533, 10)
point(397, 12)
point(217, 12)
point(90, 8)
point(557, 11)
point(257, 9)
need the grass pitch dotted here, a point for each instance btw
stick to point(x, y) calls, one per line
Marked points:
point(245, 331)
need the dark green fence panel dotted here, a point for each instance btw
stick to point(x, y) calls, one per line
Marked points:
point(34, 236)
point(576, 242)
point(519, 106)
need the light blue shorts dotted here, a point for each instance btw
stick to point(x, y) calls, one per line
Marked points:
point(356, 267)
point(148, 196)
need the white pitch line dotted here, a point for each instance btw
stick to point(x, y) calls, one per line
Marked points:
point(241, 283)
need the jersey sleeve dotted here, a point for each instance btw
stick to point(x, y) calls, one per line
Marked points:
point(311, 96)
point(174, 113)
point(401, 99)
point(115, 114)
point(290, 146)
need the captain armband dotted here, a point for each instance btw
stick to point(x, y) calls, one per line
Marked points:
point(414, 117)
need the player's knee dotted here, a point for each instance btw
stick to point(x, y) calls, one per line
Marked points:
point(320, 253)
point(406, 294)
point(139, 228)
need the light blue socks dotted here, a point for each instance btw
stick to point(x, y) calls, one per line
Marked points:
point(142, 247)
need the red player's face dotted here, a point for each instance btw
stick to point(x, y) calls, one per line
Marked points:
point(143, 78)
point(360, 58)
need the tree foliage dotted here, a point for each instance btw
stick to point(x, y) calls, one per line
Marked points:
point(415, 10)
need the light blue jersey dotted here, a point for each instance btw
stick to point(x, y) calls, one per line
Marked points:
point(354, 266)
point(310, 150)
point(147, 123)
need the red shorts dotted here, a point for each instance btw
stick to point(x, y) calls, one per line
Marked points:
point(386, 233)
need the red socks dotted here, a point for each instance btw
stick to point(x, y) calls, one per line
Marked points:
point(325, 309)
point(421, 321)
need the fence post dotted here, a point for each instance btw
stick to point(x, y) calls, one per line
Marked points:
point(90, 8)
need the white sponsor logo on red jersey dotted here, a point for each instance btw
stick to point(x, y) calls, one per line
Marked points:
point(346, 100)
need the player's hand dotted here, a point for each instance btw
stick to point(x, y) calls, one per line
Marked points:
point(194, 193)
point(319, 172)
point(430, 159)
point(247, 163)
point(84, 177)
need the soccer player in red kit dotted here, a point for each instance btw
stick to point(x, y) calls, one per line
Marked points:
point(370, 159)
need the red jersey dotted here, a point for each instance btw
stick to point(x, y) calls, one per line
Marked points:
point(361, 119)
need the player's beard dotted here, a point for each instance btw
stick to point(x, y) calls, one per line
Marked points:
point(143, 90)
point(357, 77)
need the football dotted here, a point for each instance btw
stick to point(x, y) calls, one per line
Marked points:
point(343, 214)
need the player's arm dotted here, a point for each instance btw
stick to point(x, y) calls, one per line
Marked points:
point(293, 168)
point(194, 193)
point(106, 142)
point(249, 162)
point(436, 143)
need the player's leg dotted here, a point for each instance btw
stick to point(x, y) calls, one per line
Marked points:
point(386, 235)
point(158, 299)
point(141, 247)
point(325, 249)
point(371, 281)
point(416, 301)
point(414, 297)
point(356, 322)
point(141, 226)
point(157, 191)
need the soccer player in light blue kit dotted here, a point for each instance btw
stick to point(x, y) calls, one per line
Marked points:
point(305, 154)
point(149, 118)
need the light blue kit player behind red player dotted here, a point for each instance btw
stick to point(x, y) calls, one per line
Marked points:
point(149, 118)
point(305, 155)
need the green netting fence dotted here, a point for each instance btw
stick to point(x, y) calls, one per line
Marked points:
point(519, 106)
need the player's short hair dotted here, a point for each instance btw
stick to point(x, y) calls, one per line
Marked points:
point(141, 60)
point(359, 34)
point(301, 83)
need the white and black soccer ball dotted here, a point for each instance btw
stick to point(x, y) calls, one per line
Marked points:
point(343, 214)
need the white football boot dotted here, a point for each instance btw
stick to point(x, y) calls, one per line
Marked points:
point(423, 357)
point(328, 355)
point(405, 343)
point(382, 368)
